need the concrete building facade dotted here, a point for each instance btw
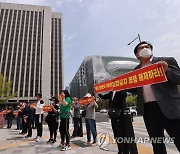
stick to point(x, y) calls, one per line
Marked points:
point(31, 53)
point(95, 69)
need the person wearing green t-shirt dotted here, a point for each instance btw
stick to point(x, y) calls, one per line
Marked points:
point(65, 107)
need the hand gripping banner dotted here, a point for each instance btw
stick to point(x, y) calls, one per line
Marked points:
point(86, 100)
point(151, 74)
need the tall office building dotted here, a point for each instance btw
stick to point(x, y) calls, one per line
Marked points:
point(31, 50)
point(95, 69)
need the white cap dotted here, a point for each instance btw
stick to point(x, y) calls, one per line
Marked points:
point(88, 95)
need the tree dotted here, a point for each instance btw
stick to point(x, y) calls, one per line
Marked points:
point(103, 104)
point(131, 100)
point(5, 90)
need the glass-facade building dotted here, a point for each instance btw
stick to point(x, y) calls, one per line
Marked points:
point(95, 69)
point(31, 50)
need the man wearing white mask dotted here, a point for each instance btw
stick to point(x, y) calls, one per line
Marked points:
point(159, 103)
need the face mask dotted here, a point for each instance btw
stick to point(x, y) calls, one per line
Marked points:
point(145, 53)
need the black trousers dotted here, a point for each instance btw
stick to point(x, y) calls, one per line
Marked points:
point(53, 126)
point(64, 130)
point(29, 128)
point(33, 122)
point(9, 122)
point(39, 121)
point(118, 127)
point(77, 127)
point(156, 123)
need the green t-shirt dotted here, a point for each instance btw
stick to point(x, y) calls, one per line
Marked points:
point(65, 110)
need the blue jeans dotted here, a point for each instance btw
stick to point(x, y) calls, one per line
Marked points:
point(19, 123)
point(90, 128)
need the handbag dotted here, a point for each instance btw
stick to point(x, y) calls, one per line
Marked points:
point(114, 113)
point(47, 119)
point(83, 114)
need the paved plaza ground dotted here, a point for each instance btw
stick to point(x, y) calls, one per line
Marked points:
point(12, 142)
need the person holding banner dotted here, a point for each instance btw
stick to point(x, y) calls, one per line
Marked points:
point(27, 117)
point(39, 117)
point(159, 103)
point(77, 119)
point(52, 120)
point(2, 119)
point(65, 108)
point(90, 120)
point(23, 109)
point(9, 116)
point(117, 102)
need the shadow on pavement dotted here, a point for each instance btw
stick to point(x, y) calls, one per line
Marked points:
point(80, 143)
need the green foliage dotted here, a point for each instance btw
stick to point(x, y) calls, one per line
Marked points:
point(5, 90)
point(103, 104)
point(131, 100)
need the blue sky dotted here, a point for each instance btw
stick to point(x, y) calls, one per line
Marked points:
point(105, 27)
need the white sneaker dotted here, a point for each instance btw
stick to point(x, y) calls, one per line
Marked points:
point(68, 147)
point(64, 148)
point(60, 145)
point(20, 131)
point(37, 139)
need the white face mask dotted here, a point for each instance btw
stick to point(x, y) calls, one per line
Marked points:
point(145, 53)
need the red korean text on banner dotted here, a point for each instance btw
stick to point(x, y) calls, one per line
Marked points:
point(86, 100)
point(104, 86)
point(47, 108)
point(151, 74)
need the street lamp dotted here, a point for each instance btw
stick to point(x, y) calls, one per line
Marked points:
point(138, 37)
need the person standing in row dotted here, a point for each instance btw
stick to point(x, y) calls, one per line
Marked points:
point(52, 120)
point(39, 117)
point(65, 108)
point(22, 113)
point(159, 103)
point(117, 102)
point(2, 119)
point(19, 118)
point(27, 117)
point(90, 120)
point(77, 119)
point(9, 116)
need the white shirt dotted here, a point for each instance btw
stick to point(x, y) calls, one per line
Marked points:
point(147, 90)
point(114, 92)
point(39, 108)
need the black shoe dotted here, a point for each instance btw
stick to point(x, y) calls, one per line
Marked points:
point(16, 129)
point(50, 141)
point(54, 141)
